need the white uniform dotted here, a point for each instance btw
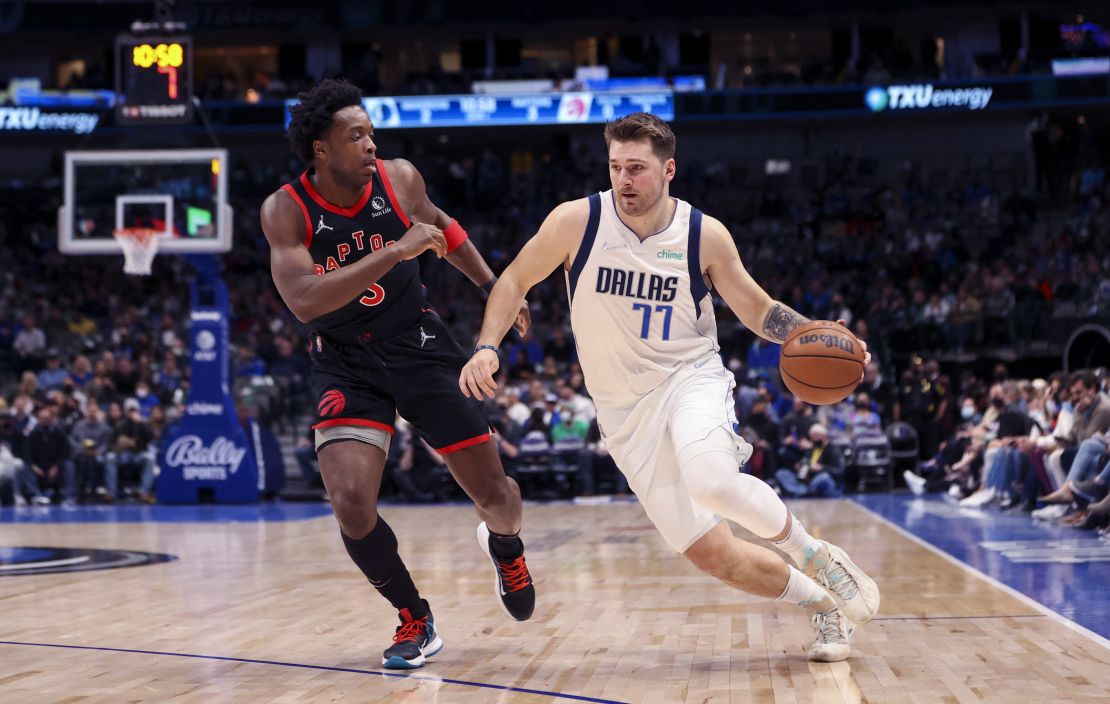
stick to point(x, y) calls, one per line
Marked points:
point(647, 341)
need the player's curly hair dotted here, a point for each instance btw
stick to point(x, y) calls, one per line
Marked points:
point(312, 116)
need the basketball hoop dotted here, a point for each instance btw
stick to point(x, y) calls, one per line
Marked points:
point(139, 245)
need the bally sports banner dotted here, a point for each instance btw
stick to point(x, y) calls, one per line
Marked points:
point(207, 456)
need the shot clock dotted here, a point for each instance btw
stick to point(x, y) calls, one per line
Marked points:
point(154, 79)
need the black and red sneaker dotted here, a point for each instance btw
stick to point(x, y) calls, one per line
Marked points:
point(416, 640)
point(512, 583)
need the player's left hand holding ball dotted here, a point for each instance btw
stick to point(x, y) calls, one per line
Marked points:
point(866, 354)
point(477, 375)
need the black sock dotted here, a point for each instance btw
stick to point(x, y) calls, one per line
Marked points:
point(376, 555)
point(506, 547)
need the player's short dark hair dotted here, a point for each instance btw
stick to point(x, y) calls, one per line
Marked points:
point(640, 126)
point(312, 116)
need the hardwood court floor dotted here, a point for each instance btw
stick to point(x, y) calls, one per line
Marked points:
point(280, 615)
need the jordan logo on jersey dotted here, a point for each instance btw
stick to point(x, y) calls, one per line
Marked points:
point(424, 337)
point(321, 226)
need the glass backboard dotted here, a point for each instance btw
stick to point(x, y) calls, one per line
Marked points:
point(182, 193)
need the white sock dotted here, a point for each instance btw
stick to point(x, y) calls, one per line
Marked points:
point(804, 592)
point(798, 544)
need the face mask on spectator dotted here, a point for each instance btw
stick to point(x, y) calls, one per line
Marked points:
point(967, 412)
point(998, 403)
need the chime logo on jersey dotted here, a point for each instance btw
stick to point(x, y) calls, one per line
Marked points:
point(16, 561)
point(332, 402)
point(636, 284)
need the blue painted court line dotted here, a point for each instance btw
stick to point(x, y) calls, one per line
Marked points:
point(1060, 568)
point(221, 658)
point(276, 511)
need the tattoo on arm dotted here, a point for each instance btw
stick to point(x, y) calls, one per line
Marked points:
point(781, 321)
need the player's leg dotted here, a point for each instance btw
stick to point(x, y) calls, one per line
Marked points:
point(353, 429)
point(709, 455)
point(496, 496)
point(760, 571)
point(692, 530)
point(352, 473)
point(427, 362)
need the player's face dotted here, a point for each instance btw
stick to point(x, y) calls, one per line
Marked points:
point(348, 149)
point(639, 177)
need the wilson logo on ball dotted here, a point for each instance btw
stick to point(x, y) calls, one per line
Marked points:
point(829, 341)
point(331, 403)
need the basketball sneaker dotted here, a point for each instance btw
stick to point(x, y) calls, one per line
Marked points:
point(512, 583)
point(856, 594)
point(416, 640)
point(832, 633)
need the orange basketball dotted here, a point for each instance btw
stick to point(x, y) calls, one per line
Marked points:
point(821, 362)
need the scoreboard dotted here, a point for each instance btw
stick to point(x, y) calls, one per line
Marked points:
point(154, 79)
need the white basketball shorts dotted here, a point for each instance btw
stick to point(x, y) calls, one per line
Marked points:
point(645, 440)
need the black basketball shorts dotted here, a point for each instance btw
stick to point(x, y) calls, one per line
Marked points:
point(414, 372)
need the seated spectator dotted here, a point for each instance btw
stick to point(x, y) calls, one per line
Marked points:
point(90, 439)
point(820, 472)
point(147, 400)
point(132, 447)
point(794, 433)
point(82, 372)
point(13, 470)
point(1088, 435)
point(1005, 460)
point(29, 345)
point(763, 434)
point(49, 459)
point(53, 376)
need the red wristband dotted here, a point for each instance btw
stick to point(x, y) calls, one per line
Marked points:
point(455, 235)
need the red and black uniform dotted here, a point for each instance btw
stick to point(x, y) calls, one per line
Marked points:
point(386, 351)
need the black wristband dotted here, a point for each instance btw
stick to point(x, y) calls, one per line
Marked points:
point(486, 347)
point(488, 286)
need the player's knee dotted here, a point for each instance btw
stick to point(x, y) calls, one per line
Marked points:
point(495, 493)
point(709, 466)
point(355, 509)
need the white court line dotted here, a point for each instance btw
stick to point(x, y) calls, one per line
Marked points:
point(48, 563)
point(1028, 601)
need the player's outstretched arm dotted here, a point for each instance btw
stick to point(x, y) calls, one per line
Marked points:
point(461, 252)
point(558, 236)
point(760, 313)
point(309, 295)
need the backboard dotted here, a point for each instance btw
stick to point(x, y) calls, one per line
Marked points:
point(180, 192)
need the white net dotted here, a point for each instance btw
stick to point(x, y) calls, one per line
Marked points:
point(139, 246)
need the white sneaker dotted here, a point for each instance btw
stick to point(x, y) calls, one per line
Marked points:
point(832, 632)
point(40, 500)
point(979, 498)
point(914, 482)
point(856, 594)
point(954, 492)
point(1051, 512)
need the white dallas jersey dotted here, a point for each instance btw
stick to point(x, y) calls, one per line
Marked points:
point(640, 311)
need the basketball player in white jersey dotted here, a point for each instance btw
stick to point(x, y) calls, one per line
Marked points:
point(639, 266)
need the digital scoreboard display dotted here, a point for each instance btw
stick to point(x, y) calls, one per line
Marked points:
point(154, 79)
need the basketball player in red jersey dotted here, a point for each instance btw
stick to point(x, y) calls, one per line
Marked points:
point(344, 238)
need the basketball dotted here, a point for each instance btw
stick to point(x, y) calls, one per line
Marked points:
point(821, 362)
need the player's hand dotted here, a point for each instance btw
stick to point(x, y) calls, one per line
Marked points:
point(420, 238)
point(866, 354)
point(476, 377)
point(523, 320)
